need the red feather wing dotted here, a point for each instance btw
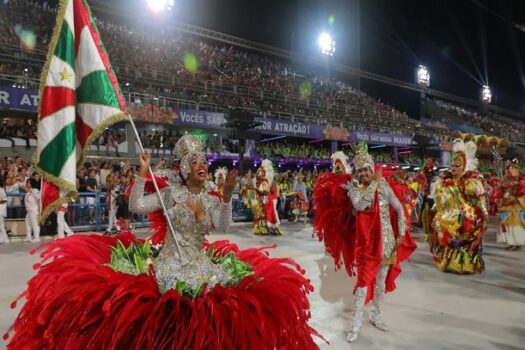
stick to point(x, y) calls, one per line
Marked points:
point(334, 223)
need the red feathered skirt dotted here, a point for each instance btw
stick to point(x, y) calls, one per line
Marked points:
point(76, 301)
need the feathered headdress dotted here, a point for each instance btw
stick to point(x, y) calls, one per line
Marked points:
point(362, 158)
point(220, 171)
point(268, 170)
point(465, 152)
point(340, 160)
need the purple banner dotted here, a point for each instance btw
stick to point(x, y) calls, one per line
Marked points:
point(16, 98)
point(287, 127)
point(381, 138)
point(212, 120)
point(198, 119)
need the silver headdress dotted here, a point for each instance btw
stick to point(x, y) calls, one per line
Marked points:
point(187, 147)
point(362, 158)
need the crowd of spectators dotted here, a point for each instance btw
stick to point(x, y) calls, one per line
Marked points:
point(226, 76)
point(289, 150)
point(94, 179)
point(26, 131)
point(490, 122)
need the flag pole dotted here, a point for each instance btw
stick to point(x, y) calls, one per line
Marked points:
point(157, 190)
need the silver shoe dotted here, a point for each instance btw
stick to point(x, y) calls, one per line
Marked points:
point(357, 317)
point(377, 321)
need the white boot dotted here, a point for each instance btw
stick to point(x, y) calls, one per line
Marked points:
point(379, 294)
point(357, 316)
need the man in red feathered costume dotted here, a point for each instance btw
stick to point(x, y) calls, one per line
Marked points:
point(371, 236)
point(379, 241)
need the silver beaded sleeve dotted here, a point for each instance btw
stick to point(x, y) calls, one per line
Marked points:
point(221, 215)
point(398, 207)
point(361, 199)
point(145, 204)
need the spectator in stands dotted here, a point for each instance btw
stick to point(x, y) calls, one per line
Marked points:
point(11, 187)
point(92, 187)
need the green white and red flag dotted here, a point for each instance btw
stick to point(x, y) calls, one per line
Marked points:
point(79, 99)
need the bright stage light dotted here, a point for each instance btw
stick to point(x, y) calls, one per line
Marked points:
point(486, 94)
point(159, 5)
point(327, 44)
point(423, 76)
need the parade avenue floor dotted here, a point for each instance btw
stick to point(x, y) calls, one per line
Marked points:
point(429, 309)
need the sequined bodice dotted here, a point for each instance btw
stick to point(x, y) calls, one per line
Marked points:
point(186, 225)
point(384, 208)
point(389, 240)
point(194, 267)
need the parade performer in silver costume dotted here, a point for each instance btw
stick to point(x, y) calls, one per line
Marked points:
point(370, 237)
point(120, 292)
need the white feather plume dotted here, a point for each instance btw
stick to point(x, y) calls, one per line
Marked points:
point(343, 158)
point(470, 152)
point(268, 169)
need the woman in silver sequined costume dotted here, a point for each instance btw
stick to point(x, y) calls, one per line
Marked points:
point(193, 211)
point(111, 292)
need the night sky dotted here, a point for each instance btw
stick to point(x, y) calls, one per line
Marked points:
point(464, 43)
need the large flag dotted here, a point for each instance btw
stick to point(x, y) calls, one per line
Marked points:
point(79, 99)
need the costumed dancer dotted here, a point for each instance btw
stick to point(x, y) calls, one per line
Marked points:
point(300, 204)
point(495, 183)
point(373, 242)
point(265, 216)
point(511, 206)
point(461, 216)
point(114, 292)
point(247, 193)
point(429, 183)
point(220, 176)
point(417, 184)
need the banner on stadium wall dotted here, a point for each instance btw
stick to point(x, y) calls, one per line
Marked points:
point(288, 127)
point(381, 138)
point(335, 134)
point(16, 98)
point(198, 119)
point(150, 113)
point(213, 120)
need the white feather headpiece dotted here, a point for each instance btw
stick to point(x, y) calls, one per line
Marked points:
point(220, 171)
point(268, 170)
point(466, 151)
point(340, 157)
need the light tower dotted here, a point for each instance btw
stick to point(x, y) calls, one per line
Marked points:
point(326, 44)
point(423, 76)
point(486, 95)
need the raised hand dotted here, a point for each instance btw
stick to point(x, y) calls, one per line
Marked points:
point(378, 174)
point(229, 184)
point(145, 161)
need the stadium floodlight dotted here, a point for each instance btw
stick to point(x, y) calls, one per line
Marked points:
point(423, 76)
point(486, 94)
point(159, 5)
point(327, 44)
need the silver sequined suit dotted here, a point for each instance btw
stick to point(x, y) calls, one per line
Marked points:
point(195, 267)
point(362, 199)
